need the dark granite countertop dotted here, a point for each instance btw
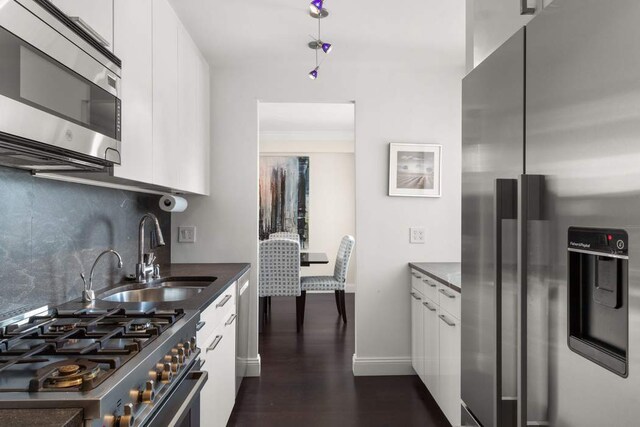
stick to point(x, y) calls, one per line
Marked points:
point(225, 275)
point(449, 273)
point(62, 417)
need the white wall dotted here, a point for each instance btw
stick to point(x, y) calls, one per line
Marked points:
point(394, 103)
point(332, 203)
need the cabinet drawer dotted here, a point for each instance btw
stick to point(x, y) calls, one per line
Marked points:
point(431, 288)
point(449, 300)
point(416, 281)
point(217, 313)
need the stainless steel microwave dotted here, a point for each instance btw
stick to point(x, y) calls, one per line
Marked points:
point(60, 107)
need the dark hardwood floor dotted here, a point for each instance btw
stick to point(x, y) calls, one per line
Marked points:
point(307, 378)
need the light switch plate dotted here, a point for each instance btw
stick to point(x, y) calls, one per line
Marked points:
point(416, 235)
point(187, 234)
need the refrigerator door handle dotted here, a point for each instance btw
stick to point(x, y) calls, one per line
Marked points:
point(530, 195)
point(505, 198)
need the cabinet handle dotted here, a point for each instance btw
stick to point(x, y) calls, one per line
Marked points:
point(231, 319)
point(426, 304)
point(525, 9)
point(447, 294)
point(417, 276)
point(429, 282)
point(224, 301)
point(215, 343)
point(200, 325)
point(445, 320)
point(415, 296)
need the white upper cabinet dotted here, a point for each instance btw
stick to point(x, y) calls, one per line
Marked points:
point(164, 92)
point(98, 14)
point(193, 115)
point(167, 156)
point(133, 23)
point(495, 21)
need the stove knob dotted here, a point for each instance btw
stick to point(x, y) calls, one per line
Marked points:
point(126, 420)
point(175, 364)
point(181, 356)
point(164, 374)
point(193, 343)
point(147, 394)
point(186, 347)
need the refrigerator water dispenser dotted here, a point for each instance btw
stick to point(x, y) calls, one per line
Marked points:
point(598, 316)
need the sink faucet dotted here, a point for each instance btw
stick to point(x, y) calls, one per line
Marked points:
point(88, 295)
point(145, 266)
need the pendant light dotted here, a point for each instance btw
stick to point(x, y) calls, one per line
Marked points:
point(317, 11)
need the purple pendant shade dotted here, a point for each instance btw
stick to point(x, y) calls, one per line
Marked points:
point(316, 6)
point(326, 47)
point(313, 74)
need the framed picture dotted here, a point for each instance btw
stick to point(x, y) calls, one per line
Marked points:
point(284, 196)
point(415, 170)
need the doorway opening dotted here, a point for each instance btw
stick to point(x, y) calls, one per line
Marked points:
point(307, 190)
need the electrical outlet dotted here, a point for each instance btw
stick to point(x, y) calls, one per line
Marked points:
point(416, 235)
point(187, 234)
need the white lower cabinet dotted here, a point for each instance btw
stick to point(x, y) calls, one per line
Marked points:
point(435, 347)
point(417, 334)
point(449, 367)
point(218, 356)
point(431, 325)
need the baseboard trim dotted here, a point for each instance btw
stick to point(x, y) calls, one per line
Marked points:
point(253, 367)
point(381, 366)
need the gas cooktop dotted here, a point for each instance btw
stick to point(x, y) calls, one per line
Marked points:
point(75, 350)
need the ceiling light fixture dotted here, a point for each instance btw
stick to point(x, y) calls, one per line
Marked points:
point(316, 6)
point(317, 11)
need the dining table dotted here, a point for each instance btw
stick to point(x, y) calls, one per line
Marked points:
point(308, 259)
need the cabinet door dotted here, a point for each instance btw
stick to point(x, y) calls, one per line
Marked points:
point(449, 381)
point(417, 336)
point(98, 14)
point(193, 113)
point(431, 347)
point(166, 154)
point(133, 41)
point(218, 394)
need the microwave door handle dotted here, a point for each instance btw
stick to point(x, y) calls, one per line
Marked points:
point(89, 30)
point(505, 208)
point(530, 197)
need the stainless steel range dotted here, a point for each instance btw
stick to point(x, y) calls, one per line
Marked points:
point(122, 367)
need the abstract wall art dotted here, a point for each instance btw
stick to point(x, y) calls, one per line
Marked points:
point(284, 196)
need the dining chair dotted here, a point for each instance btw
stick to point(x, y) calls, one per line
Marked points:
point(279, 275)
point(284, 235)
point(334, 283)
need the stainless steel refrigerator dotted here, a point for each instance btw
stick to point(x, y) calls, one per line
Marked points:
point(551, 222)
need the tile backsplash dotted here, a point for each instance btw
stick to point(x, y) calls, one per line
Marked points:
point(51, 231)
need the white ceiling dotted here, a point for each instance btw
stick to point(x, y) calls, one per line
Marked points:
point(237, 31)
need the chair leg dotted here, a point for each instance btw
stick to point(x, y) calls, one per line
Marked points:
point(342, 306)
point(298, 313)
point(261, 315)
point(304, 304)
point(338, 302)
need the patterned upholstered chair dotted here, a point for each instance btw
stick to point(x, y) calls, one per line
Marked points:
point(284, 235)
point(332, 283)
point(279, 275)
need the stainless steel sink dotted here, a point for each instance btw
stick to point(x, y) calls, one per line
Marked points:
point(163, 290)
